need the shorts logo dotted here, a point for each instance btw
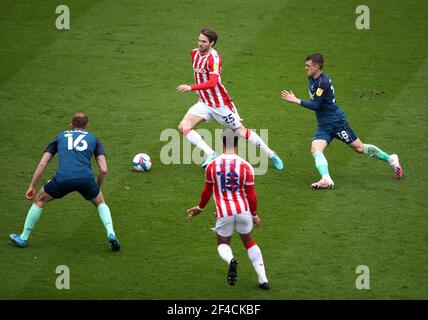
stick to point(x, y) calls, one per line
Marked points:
point(319, 92)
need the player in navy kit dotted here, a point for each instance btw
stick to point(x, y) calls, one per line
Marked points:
point(332, 123)
point(75, 149)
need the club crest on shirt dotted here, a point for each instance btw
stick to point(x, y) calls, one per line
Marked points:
point(319, 92)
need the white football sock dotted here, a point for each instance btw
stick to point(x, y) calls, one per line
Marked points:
point(225, 252)
point(256, 259)
point(196, 139)
point(254, 138)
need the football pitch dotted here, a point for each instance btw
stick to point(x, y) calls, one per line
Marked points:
point(120, 63)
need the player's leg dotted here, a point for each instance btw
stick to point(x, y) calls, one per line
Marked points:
point(229, 117)
point(256, 258)
point(348, 136)
point(196, 114)
point(255, 139)
point(224, 249)
point(244, 226)
point(225, 252)
point(33, 216)
point(105, 216)
point(224, 232)
point(375, 152)
point(319, 143)
point(104, 213)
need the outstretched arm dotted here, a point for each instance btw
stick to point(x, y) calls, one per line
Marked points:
point(38, 173)
point(102, 164)
point(290, 97)
point(211, 83)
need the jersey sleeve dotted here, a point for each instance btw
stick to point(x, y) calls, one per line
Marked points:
point(99, 149)
point(214, 64)
point(315, 103)
point(208, 173)
point(193, 52)
point(322, 90)
point(249, 175)
point(52, 147)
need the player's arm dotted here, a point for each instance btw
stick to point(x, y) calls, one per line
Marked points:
point(206, 194)
point(213, 69)
point(313, 104)
point(309, 104)
point(38, 173)
point(250, 191)
point(211, 83)
point(102, 165)
point(100, 157)
point(48, 154)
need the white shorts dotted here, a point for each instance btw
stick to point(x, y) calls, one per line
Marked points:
point(223, 115)
point(241, 223)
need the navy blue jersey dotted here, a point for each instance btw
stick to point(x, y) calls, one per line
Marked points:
point(75, 149)
point(323, 102)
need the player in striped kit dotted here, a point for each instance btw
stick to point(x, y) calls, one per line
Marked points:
point(231, 179)
point(214, 101)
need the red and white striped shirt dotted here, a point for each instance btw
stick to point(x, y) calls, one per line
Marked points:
point(207, 66)
point(229, 175)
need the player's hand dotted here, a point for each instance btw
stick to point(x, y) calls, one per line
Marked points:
point(31, 192)
point(256, 222)
point(184, 87)
point(289, 96)
point(193, 212)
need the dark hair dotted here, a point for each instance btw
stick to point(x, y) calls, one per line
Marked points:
point(316, 59)
point(79, 120)
point(227, 136)
point(210, 34)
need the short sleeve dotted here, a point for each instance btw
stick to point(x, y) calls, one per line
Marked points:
point(52, 147)
point(99, 148)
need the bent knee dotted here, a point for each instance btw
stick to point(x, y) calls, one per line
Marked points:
point(40, 202)
point(359, 148)
point(241, 132)
point(314, 150)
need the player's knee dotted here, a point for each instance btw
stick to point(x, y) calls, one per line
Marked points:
point(241, 131)
point(358, 148)
point(314, 149)
point(180, 127)
point(40, 202)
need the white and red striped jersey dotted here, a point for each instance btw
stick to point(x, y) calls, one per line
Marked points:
point(229, 174)
point(205, 65)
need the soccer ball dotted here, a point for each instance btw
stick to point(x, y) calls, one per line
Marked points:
point(142, 162)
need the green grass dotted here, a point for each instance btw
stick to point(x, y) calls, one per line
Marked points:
point(121, 62)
